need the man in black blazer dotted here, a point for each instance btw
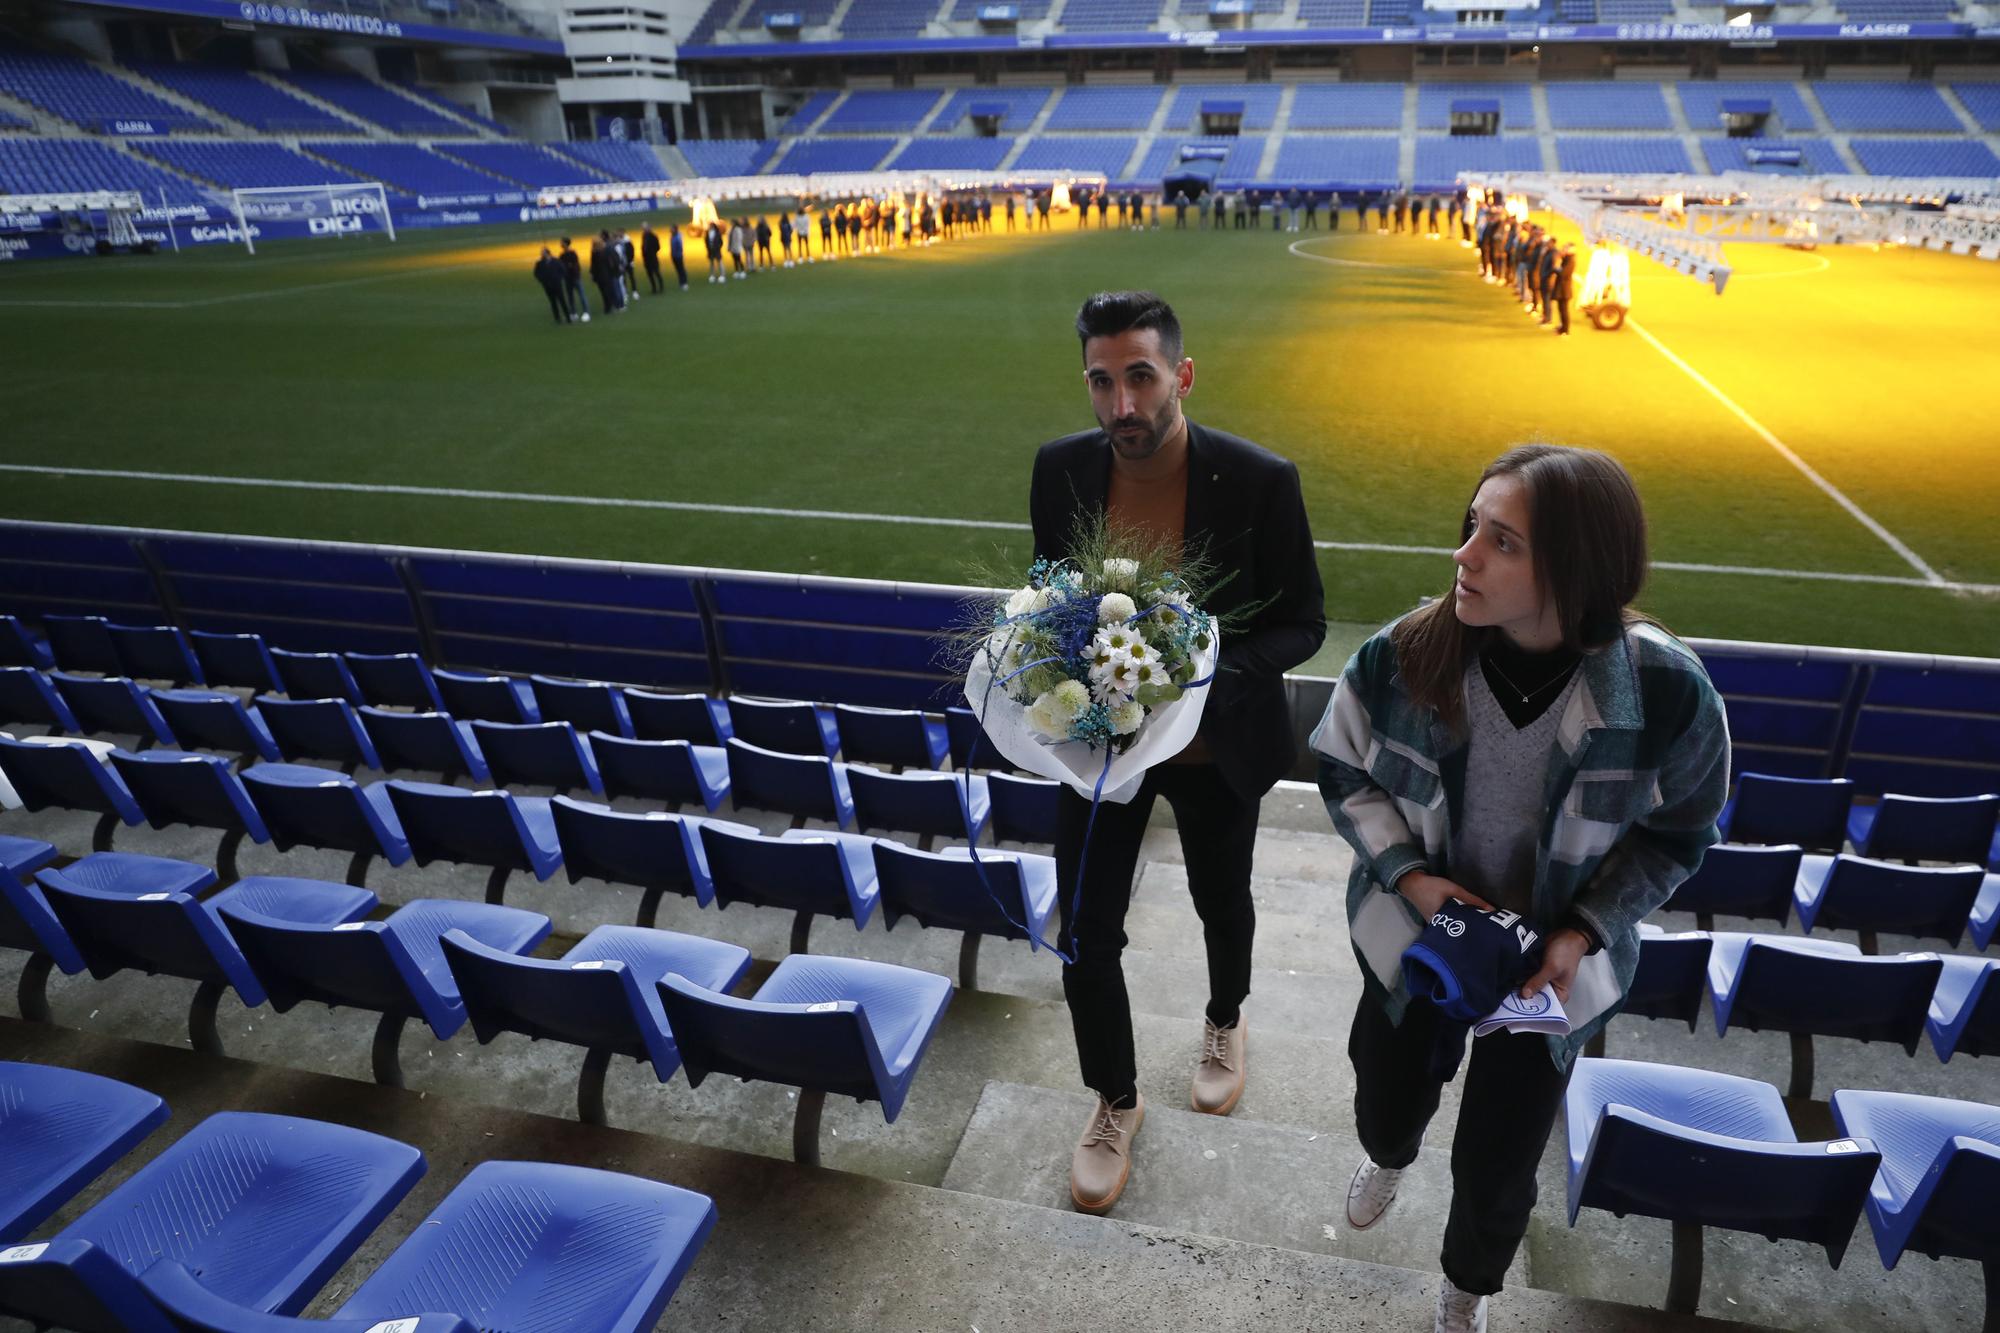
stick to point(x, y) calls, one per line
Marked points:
point(1150, 470)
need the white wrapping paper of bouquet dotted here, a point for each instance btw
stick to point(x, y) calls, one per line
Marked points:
point(1165, 733)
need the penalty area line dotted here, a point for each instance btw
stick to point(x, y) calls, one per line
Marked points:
point(847, 516)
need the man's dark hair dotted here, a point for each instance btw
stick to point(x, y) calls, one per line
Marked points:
point(1108, 314)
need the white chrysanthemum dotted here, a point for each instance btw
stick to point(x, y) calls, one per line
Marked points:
point(1114, 681)
point(1125, 718)
point(1115, 608)
point(1147, 671)
point(1112, 640)
point(1121, 573)
point(1071, 698)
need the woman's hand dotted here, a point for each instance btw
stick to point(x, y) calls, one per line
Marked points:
point(1427, 893)
point(1560, 956)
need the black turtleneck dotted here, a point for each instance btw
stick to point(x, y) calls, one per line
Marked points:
point(1512, 672)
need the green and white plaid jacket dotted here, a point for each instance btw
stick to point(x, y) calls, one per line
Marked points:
point(1637, 776)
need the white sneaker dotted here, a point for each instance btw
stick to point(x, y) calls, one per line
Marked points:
point(1370, 1193)
point(1460, 1311)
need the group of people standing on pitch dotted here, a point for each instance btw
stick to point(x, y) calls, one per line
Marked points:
point(1528, 741)
point(612, 268)
point(1526, 256)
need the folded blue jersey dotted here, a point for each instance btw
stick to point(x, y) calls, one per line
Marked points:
point(1467, 960)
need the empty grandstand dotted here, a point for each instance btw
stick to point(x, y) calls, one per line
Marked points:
point(245, 97)
point(1348, 106)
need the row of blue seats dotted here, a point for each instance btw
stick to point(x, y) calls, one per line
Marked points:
point(1844, 892)
point(246, 1216)
point(1701, 1149)
point(823, 1024)
point(1819, 814)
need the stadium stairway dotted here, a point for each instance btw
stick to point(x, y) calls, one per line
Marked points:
point(957, 1215)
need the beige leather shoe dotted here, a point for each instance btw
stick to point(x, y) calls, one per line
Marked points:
point(1218, 1079)
point(1103, 1159)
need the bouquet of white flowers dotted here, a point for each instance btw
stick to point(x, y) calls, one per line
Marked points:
point(1094, 671)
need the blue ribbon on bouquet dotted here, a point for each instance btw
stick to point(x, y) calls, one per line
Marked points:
point(1090, 825)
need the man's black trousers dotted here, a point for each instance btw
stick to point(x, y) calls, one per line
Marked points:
point(558, 304)
point(1508, 1105)
point(653, 273)
point(1218, 836)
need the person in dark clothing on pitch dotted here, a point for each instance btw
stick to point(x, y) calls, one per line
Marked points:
point(649, 251)
point(549, 273)
point(677, 253)
point(604, 273)
point(573, 281)
point(1149, 471)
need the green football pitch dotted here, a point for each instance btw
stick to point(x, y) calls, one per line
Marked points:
point(1816, 448)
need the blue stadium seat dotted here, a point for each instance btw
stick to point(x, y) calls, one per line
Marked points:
point(679, 717)
point(370, 101)
point(841, 1025)
point(788, 727)
point(1986, 911)
point(318, 729)
point(967, 739)
point(881, 110)
point(1940, 1174)
point(395, 968)
point(496, 829)
point(1964, 1017)
point(394, 680)
point(167, 931)
point(935, 805)
point(1811, 812)
point(235, 659)
point(1959, 830)
point(587, 705)
point(674, 772)
point(1007, 894)
point(115, 704)
point(70, 776)
point(900, 737)
point(727, 157)
point(476, 697)
point(26, 923)
point(424, 743)
point(216, 720)
point(1347, 106)
point(20, 647)
point(27, 696)
point(808, 156)
point(1108, 108)
point(1737, 879)
point(62, 1127)
point(803, 871)
point(601, 995)
point(1855, 893)
point(1672, 976)
point(82, 643)
point(1701, 1149)
point(265, 1207)
point(199, 790)
point(803, 786)
point(527, 164)
point(1808, 988)
point(651, 850)
point(315, 676)
point(154, 652)
point(605, 1250)
point(1024, 809)
point(304, 806)
point(538, 754)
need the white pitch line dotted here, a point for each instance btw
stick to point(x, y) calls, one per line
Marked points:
point(265, 293)
point(1834, 493)
point(845, 516)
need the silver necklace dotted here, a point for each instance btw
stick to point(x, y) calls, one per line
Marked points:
point(1526, 695)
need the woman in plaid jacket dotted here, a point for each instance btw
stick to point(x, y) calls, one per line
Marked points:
point(1526, 742)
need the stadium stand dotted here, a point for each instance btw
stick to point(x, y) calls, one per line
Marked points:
point(10, 121)
point(1257, 101)
point(370, 101)
point(1634, 11)
point(1245, 154)
point(1388, 12)
point(810, 13)
point(1347, 160)
point(1018, 107)
point(1110, 15)
point(1441, 157)
point(1816, 156)
point(242, 96)
point(1434, 102)
point(29, 166)
point(1621, 154)
point(1078, 153)
point(1334, 13)
point(881, 111)
point(234, 164)
point(1926, 157)
point(620, 161)
point(80, 92)
point(809, 111)
point(1884, 106)
point(407, 167)
point(1608, 105)
point(967, 11)
point(725, 157)
point(952, 155)
point(810, 155)
point(1576, 11)
point(1898, 11)
point(888, 18)
point(1105, 109)
point(528, 164)
point(451, 108)
point(1983, 101)
point(1348, 106)
point(1702, 102)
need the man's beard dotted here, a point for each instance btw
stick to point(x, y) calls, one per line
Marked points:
point(1136, 448)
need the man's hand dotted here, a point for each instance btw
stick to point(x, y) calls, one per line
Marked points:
point(1427, 893)
point(1560, 956)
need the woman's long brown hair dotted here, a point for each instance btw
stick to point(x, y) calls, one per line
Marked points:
point(1588, 536)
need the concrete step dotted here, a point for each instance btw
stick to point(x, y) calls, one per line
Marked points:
point(1220, 1176)
point(812, 1249)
